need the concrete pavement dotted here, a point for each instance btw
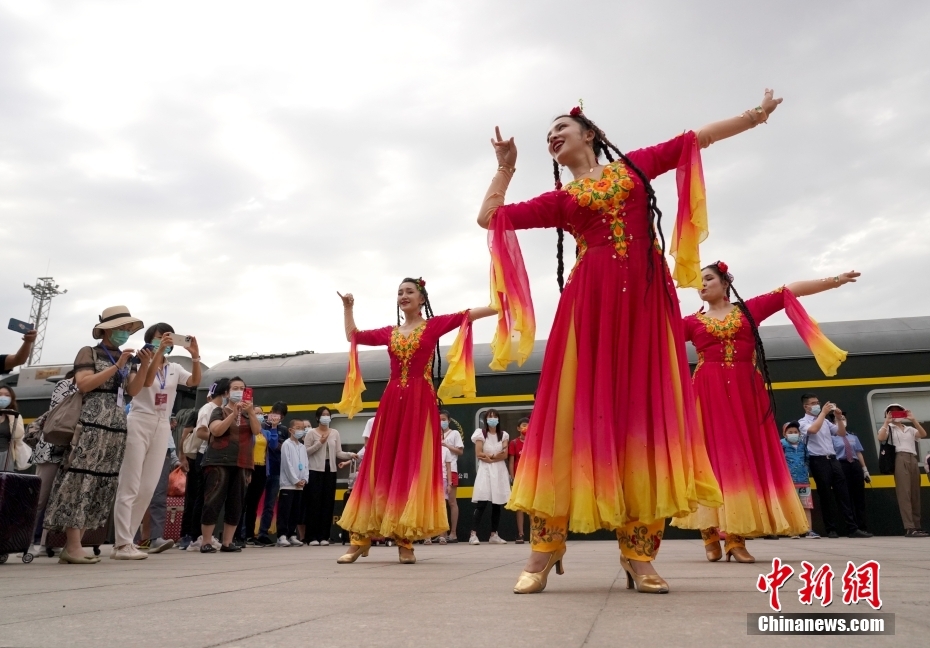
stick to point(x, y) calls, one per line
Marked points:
point(456, 595)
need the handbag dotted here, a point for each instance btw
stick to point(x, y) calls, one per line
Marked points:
point(20, 451)
point(886, 454)
point(34, 432)
point(177, 482)
point(62, 421)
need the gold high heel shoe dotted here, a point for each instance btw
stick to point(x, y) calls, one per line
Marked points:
point(643, 583)
point(354, 555)
point(713, 551)
point(741, 555)
point(533, 582)
point(406, 560)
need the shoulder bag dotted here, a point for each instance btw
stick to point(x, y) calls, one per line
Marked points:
point(886, 454)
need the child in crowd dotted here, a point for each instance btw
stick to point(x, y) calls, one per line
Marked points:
point(514, 450)
point(295, 471)
point(796, 456)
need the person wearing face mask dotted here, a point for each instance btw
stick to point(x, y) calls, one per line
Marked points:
point(324, 449)
point(817, 431)
point(84, 492)
point(228, 465)
point(796, 459)
point(147, 439)
point(276, 433)
point(514, 450)
point(295, 473)
point(452, 441)
point(193, 496)
point(492, 483)
point(905, 430)
point(14, 453)
point(245, 534)
point(733, 392)
point(398, 494)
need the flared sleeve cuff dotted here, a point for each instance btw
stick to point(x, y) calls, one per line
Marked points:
point(351, 403)
point(510, 295)
point(460, 377)
point(691, 221)
point(829, 357)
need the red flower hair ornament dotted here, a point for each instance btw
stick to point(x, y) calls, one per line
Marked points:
point(578, 110)
point(724, 270)
point(421, 284)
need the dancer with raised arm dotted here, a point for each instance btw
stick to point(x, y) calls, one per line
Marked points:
point(614, 441)
point(737, 407)
point(398, 493)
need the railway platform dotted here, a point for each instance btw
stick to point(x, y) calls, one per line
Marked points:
point(456, 595)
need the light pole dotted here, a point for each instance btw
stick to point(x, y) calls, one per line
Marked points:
point(42, 293)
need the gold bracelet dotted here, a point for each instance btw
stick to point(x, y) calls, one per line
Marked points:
point(510, 170)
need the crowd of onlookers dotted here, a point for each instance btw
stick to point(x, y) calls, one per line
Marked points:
point(106, 447)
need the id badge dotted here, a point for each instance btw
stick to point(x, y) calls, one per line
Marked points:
point(804, 491)
point(120, 401)
point(161, 402)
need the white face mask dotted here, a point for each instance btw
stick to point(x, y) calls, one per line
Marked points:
point(235, 396)
point(5, 401)
point(325, 420)
point(300, 434)
point(444, 425)
point(793, 438)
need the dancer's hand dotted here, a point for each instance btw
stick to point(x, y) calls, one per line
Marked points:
point(348, 301)
point(848, 277)
point(505, 150)
point(769, 103)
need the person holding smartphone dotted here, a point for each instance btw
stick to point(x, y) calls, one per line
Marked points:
point(9, 362)
point(905, 429)
point(228, 464)
point(147, 436)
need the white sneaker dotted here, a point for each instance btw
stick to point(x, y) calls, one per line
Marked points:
point(324, 543)
point(314, 543)
point(159, 545)
point(128, 552)
point(295, 542)
point(282, 542)
point(496, 539)
point(216, 544)
point(195, 545)
point(474, 539)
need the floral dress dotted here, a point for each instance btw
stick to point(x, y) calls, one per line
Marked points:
point(84, 493)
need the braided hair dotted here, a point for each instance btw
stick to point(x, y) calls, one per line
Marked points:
point(603, 145)
point(437, 358)
point(720, 269)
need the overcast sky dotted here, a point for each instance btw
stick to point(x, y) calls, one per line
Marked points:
point(227, 166)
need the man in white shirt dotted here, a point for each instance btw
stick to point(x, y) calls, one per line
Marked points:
point(817, 430)
point(148, 429)
point(452, 441)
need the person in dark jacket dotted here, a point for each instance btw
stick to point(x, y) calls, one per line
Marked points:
point(276, 432)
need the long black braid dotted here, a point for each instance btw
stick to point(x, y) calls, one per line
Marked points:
point(603, 145)
point(761, 361)
point(437, 358)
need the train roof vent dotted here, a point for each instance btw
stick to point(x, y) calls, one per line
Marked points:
point(265, 356)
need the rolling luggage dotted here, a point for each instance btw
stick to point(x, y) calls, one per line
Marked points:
point(174, 516)
point(19, 503)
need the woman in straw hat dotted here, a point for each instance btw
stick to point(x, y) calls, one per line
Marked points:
point(84, 492)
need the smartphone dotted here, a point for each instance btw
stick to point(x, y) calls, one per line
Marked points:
point(899, 415)
point(247, 394)
point(20, 326)
point(147, 347)
point(181, 340)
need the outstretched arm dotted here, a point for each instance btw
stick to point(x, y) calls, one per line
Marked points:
point(716, 131)
point(506, 152)
point(814, 286)
point(348, 302)
point(480, 312)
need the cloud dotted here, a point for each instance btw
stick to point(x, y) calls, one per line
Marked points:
point(228, 166)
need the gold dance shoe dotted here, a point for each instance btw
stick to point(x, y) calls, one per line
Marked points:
point(643, 583)
point(64, 558)
point(741, 555)
point(713, 551)
point(533, 582)
point(405, 560)
point(352, 556)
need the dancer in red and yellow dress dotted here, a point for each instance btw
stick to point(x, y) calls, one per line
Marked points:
point(398, 493)
point(734, 399)
point(614, 441)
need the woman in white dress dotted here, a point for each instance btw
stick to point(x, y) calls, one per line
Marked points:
point(492, 483)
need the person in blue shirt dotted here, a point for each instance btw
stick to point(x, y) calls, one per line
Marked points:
point(797, 457)
point(848, 451)
point(276, 433)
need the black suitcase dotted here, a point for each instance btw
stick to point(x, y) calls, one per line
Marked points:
point(19, 503)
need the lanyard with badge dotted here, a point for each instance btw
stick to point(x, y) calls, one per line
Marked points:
point(120, 377)
point(161, 397)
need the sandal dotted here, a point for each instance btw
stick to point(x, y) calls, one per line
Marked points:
point(428, 541)
point(519, 540)
point(442, 540)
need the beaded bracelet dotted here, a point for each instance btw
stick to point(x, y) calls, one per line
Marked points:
point(510, 170)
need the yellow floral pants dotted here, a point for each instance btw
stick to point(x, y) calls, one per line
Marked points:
point(712, 535)
point(637, 540)
point(359, 540)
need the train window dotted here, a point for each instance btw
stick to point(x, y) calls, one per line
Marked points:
point(916, 399)
point(510, 416)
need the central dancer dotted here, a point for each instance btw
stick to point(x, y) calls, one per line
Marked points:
point(398, 493)
point(614, 442)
